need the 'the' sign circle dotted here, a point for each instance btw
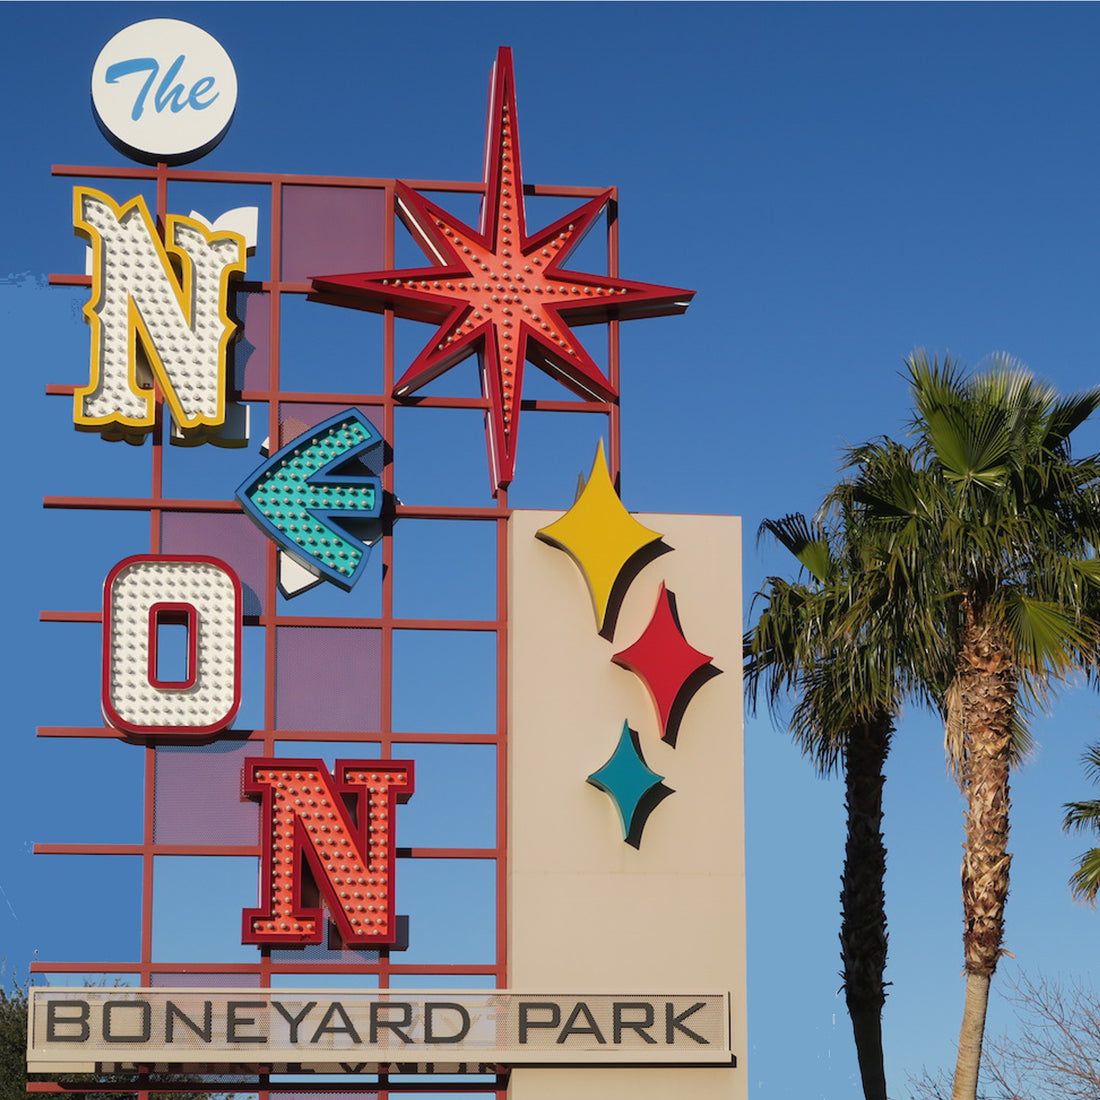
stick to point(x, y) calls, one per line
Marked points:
point(164, 90)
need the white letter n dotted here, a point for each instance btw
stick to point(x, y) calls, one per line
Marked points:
point(148, 324)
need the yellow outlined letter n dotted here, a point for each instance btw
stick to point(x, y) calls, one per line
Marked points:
point(151, 324)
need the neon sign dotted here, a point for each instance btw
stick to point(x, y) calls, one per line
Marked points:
point(306, 823)
point(144, 593)
point(499, 291)
point(148, 325)
point(305, 499)
point(322, 492)
point(164, 90)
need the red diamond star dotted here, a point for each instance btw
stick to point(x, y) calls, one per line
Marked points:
point(498, 291)
point(663, 659)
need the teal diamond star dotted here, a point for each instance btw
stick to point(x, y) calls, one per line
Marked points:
point(634, 789)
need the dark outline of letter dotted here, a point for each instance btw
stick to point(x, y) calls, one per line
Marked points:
point(429, 1011)
point(207, 1031)
point(294, 1021)
point(526, 1025)
point(619, 1025)
point(232, 1023)
point(51, 1020)
point(673, 1023)
point(377, 1025)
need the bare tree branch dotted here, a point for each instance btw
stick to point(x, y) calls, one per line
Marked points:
point(1054, 1055)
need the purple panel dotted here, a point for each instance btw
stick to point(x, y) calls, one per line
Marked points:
point(198, 795)
point(296, 417)
point(321, 953)
point(252, 349)
point(332, 231)
point(328, 678)
point(321, 1095)
point(191, 980)
point(233, 538)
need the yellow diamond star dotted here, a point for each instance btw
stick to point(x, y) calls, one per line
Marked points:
point(599, 534)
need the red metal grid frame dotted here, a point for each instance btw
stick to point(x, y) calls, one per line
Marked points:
point(156, 505)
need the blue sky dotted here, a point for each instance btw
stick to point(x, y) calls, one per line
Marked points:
point(840, 183)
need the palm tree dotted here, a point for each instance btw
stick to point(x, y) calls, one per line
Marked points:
point(1085, 881)
point(837, 645)
point(991, 510)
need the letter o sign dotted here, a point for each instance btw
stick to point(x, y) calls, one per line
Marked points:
point(147, 599)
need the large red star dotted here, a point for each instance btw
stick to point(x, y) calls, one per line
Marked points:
point(498, 291)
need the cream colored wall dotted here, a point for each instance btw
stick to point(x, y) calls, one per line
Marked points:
point(587, 911)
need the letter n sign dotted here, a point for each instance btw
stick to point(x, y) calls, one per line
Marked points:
point(332, 837)
point(148, 324)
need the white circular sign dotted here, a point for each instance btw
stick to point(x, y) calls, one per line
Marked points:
point(164, 90)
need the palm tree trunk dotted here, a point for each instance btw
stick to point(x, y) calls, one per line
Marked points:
point(987, 697)
point(863, 936)
point(970, 1036)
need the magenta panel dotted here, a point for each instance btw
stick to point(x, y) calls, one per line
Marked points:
point(322, 1095)
point(198, 795)
point(323, 954)
point(196, 980)
point(332, 230)
point(252, 350)
point(328, 678)
point(233, 538)
point(296, 417)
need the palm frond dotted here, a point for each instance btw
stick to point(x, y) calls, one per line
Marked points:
point(1068, 414)
point(1049, 639)
point(1082, 816)
point(1085, 881)
point(805, 540)
point(1091, 760)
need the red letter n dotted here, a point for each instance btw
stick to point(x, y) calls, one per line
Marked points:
point(329, 840)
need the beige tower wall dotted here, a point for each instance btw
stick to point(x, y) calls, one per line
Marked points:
point(587, 912)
